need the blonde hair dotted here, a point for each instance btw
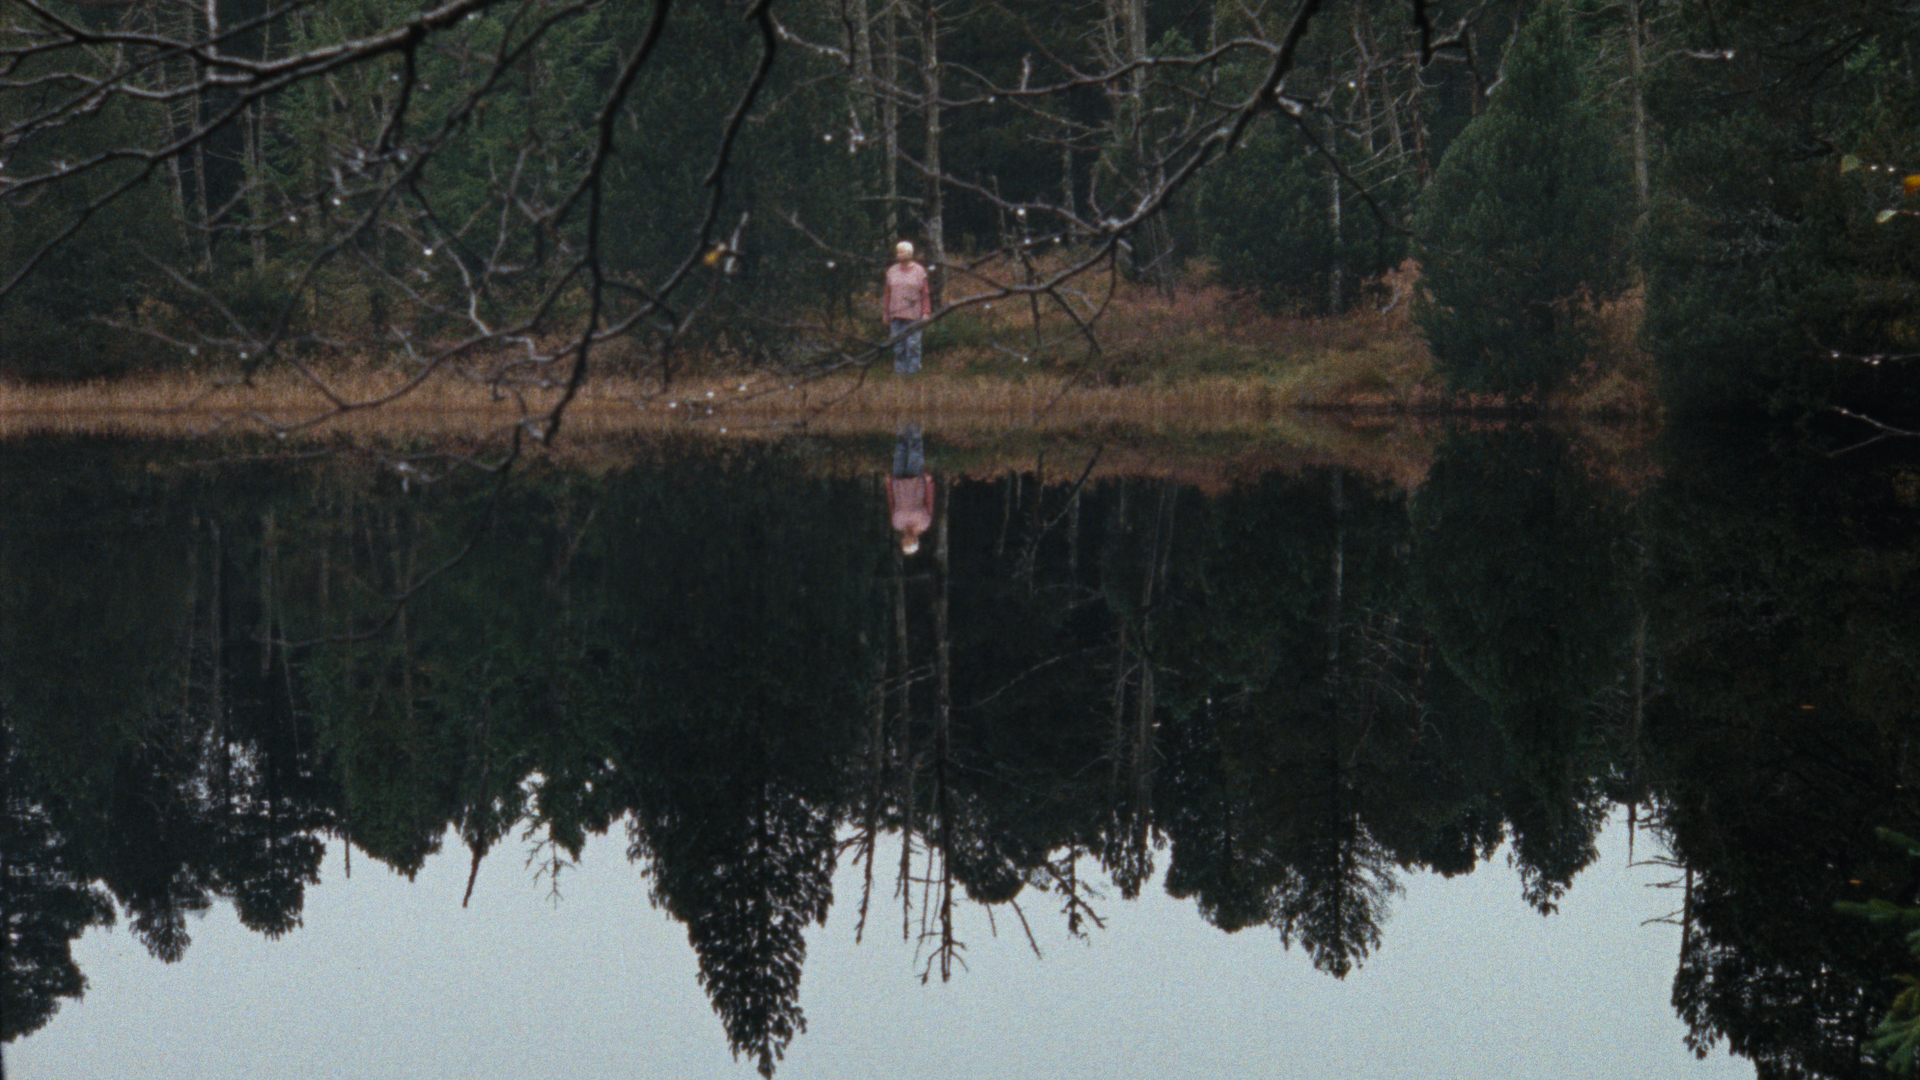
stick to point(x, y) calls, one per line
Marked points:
point(904, 247)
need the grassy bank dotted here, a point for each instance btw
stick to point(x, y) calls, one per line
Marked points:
point(1370, 357)
point(839, 403)
point(1198, 359)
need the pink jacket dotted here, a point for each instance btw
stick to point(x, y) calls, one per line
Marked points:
point(910, 503)
point(906, 295)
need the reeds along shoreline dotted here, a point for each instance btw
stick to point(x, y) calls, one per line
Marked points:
point(1202, 360)
point(182, 406)
point(1211, 436)
point(186, 406)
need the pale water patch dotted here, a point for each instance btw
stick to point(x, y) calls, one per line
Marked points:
point(394, 979)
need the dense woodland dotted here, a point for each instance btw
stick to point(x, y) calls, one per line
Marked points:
point(552, 188)
point(1274, 702)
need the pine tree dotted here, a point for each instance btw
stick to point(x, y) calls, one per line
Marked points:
point(1525, 226)
point(1264, 218)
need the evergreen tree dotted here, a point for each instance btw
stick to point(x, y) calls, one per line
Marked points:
point(1778, 265)
point(66, 317)
point(1525, 226)
point(1264, 217)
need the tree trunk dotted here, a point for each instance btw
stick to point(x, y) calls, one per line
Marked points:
point(936, 217)
point(1636, 56)
point(890, 112)
point(861, 18)
point(1336, 268)
point(251, 123)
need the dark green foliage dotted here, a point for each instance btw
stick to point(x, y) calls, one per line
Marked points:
point(68, 319)
point(1523, 568)
point(53, 324)
point(1264, 220)
point(1229, 878)
point(1297, 780)
point(748, 866)
point(1335, 901)
point(46, 901)
point(747, 579)
point(1769, 275)
point(1898, 1036)
point(1522, 564)
point(1770, 271)
point(1788, 646)
point(1346, 687)
point(150, 766)
point(792, 165)
point(1525, 226)
point(452, 187)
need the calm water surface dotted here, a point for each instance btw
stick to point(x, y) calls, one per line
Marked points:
point(1285, 772)
point(390, 978)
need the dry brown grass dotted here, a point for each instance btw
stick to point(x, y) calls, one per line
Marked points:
point(1619, 380)
point(1213, 434)
point(1203, 360)
point(1202, 364)
point(186, 405)
point(1209, 432)
point(198, 405)
point(1371, 357)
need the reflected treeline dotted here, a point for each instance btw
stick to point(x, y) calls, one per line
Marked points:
point(1788, 605)
point(1280, 699)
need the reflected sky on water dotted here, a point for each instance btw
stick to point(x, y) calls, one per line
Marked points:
point(1278, 704)
point(389, 978)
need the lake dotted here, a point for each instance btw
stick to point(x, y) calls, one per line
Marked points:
point(937, 752)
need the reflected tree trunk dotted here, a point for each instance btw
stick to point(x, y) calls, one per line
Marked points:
point(947, 949)
point(908, 769)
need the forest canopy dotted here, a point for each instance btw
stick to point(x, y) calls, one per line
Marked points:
point(549, 188)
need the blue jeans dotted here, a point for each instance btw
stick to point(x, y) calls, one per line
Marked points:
point(909, 452)
point(906, 347)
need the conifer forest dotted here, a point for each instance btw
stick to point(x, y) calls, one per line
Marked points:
point(1277, 665)
point(572, 187)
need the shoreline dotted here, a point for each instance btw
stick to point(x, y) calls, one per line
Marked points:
point(1204, 359)
point(849, 404)
point(1213, 432)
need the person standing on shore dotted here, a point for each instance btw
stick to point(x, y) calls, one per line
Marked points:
point(905, 303)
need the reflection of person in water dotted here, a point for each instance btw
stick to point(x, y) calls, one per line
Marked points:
point(910, 489)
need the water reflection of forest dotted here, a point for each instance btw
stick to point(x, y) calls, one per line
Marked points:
point(1282, 698)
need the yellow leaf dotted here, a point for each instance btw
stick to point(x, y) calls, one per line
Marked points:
point(1911, 185)
point(1849, 163)
point(1884, 216)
